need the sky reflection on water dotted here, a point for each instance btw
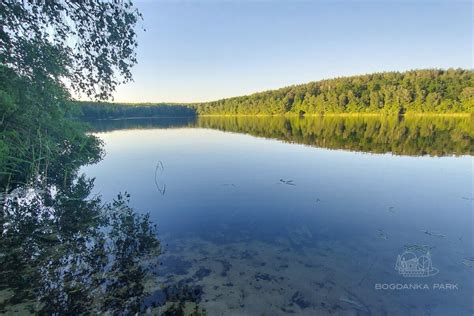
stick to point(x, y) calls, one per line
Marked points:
point(342, 224)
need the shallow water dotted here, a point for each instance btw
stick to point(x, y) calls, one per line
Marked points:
point(300, 218)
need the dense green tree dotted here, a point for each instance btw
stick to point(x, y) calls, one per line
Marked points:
point(46, 47)
point(104, 110)
point(91, 43)
point(390, 93)
point(35, 137)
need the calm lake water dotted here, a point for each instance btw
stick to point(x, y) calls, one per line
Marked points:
point(303, 216)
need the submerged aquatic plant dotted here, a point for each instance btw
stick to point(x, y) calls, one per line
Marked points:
point(381, 234)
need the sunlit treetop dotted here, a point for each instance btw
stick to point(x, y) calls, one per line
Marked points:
point(90, 44)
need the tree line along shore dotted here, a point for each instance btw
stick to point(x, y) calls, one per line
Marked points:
point(415, 92)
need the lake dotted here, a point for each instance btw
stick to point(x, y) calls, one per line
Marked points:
point(304, 216)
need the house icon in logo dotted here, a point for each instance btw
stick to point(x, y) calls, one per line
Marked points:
point(410, 265)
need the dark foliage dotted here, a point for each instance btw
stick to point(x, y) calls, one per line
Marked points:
point(96, 110)
point(35, 138)
point(90, 43)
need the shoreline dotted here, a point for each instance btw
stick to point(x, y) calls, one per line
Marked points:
point(418, 114)
point(340, 114)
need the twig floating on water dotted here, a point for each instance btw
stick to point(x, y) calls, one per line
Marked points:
point(468, 262)
point(349, 301)
point(288, 182)
point(158, 172)
point(418, 248)
point(357, 301)
point(433, 234)
point(229, 185)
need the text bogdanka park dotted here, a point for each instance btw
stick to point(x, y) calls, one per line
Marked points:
point(416, 286)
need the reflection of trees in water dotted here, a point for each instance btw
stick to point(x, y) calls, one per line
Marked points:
point(65, 253)
point(421, 135)
point(140, 123)
point(434, 136)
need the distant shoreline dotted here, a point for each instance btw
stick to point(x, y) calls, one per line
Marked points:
point(136, 118)
point(283, 115)
point(341, 114)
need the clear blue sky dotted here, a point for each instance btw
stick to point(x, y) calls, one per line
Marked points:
point(205, 50)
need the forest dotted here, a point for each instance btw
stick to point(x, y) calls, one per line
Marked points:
point(432, 91)
point(107, 110)
point(391, 93)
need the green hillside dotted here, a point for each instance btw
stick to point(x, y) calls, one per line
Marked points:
point(417, 91)
point(389, 93)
